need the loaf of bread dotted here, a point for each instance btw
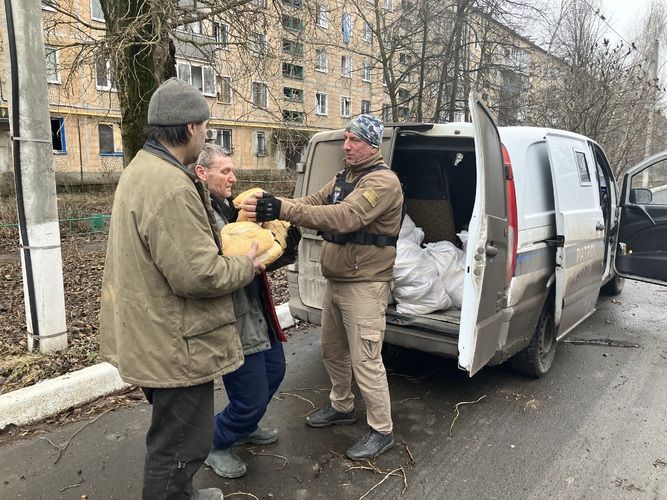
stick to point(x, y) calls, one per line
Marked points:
point(240, 198)
point(237, 238)
point(279, 230)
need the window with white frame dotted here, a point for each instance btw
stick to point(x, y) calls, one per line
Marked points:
point(322, 16)
point(365, 107)
point(221, 34)
point(321, 60)
point(367, 32)
point(366, 71)
point(52, 70)
point(104, 75)
point(259, 44)
point(224, 89)
point(345, 106)
point(260, 144)
point(260, 95)
point(200, 77)
point(321, 103)
point(106, 137)
point(96, 11)
point(224, 139)
point(346, 66)
point(347, 27)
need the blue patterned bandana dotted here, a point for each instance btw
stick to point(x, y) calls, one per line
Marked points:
point(368, 128)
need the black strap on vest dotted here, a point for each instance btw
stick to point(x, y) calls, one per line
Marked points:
point(342, 188)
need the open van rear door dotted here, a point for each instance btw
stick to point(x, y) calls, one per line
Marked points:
point(580, 229)
point(642, 222)
point(482, 326)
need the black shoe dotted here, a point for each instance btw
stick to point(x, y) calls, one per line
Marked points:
point(370, 445)
point(330, 416)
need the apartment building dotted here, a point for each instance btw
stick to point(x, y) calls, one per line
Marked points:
point(272, 80)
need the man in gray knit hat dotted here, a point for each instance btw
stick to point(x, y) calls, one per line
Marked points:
point(359, 214)
point(167, 317)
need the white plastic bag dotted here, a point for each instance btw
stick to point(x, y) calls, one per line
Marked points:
point(410, 231)
point(417, 286)
point(450, 265)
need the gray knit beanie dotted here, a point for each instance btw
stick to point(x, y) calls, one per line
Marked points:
point(176, 102)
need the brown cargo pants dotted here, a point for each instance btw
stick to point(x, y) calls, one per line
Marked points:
point(353, 324)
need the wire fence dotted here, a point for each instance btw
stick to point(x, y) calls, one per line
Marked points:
point(73, 226)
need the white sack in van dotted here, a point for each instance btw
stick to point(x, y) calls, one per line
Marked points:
point(450, 265)
point(463, 236)
point(410, 231)
point(417, 287)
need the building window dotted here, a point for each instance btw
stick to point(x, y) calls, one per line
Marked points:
point(293, 3)
point(260, 140)
point(322, 16)
point(260, 4)
point(321, 60)
point(389, 5)
point(347, 27)
point(58, 135)
point(259, 44)
point(224, 89)
point(321, 107)
point(200, 77)
point(107, 145)
point(386, 112)
point(367, 33)
point(403, 95)
point(293, 95)
point(104, 75)
point(293, 71)
point(365, 107)
point(366, 71)
point(260, 95)
point(403, 58)
point(292, 23)
point(293, 116)
point(224, 139)
point(345, 106)
point(221, 34)
point(403, 112)
point(292, 47)
point(346, 66)
point(52, 72)
point(96, 11)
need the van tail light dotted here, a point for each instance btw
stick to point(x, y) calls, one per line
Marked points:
point(510, 206)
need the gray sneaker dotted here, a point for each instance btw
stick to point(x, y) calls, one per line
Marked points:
point(260, 436)
point(208, 494)
point(225, 463)
point(330, 416)
point(370, 445)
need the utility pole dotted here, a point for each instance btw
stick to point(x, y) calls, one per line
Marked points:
point(34, 177)
point(650, 122)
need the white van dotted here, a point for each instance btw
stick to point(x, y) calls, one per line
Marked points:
point(547, 230)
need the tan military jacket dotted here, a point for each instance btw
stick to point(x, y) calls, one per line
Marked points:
point(374, 206)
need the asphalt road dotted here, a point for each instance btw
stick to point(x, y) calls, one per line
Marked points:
point(594, 427)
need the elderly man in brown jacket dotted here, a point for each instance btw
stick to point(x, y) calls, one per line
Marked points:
point(167, 318)
point(359, 213)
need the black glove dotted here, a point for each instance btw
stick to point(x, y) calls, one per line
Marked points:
point(268, 208)
point(292, 240)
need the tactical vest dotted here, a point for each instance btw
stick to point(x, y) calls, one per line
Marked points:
point(341, 189)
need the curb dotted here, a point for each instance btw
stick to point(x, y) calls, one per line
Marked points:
point(48, 398)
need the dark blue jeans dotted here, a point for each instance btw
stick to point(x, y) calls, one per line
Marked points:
point(249, 390)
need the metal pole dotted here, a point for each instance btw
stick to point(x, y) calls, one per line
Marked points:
point(35, 179)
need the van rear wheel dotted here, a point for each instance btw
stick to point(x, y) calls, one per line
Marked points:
point(536, 359)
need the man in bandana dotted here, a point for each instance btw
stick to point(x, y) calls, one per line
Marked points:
point(359, 214)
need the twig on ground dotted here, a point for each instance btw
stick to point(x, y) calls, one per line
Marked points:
point(302, 399)
point(405, 481)
point(69, 487)
point(387, 476)
point(237, 493)
point(408, 399)
point(602, 342)
point(528, 403)
point(285, 462)
point(411, 458)
point(62, 449)
point(327, 461)
point(50, 442)
point(297, 478)
point(456, 409)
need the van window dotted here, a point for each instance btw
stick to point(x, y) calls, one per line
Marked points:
point(327, 162)
point(536, 185)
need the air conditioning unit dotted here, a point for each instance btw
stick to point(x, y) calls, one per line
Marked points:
point(211, 134)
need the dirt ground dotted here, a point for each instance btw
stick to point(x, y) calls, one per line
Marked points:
point(83, 264)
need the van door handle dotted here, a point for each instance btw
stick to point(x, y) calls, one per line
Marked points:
point(599, 226)
point(491, 251)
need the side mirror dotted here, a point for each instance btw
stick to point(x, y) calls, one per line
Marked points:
point(641, 196)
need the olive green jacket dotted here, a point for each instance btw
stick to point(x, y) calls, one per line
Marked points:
point(167, 317)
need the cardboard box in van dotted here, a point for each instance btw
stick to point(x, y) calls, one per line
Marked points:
point(547, 230)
